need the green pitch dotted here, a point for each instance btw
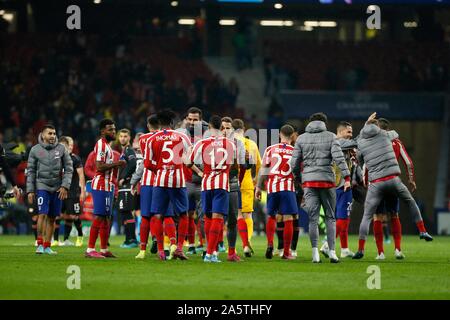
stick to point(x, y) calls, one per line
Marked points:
point(424, 274)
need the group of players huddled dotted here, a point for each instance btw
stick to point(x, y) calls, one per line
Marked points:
point(196, 177)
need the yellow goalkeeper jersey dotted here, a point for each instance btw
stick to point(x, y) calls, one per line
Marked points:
point(252, 148)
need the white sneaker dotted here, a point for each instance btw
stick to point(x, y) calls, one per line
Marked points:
point(281, 253)
point(315, 255)
point(399, 255)
point(380, 256)
point(325, 250)
point(294, 253)
point(35, 243)
point(67, 243)
point(346, 253)
point(333, 256)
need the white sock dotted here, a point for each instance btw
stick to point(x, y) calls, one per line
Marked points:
point(103, 250)
point(89, 250)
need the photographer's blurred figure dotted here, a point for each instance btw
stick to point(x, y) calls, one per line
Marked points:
point(6, 170)
point(49, 174)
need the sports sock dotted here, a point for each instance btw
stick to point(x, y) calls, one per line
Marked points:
point(361, 244)
point(207, 228)
point(295, 234)
point(144, 230)
point(94, 232)
point(159, 233)
point(199, 232)
point(169, 229)
point(378, 233)
point(421, 226)
point(216, 226)
point(46, 244)
point(77, 223)
point(249, 222)
point(287, 236)
point(183, 227)
point(104, 234)
point(270, 230)
point(40, 240)
point(56, 232)
point(191, 230)
point(67, 228)
point(343, 232)
point(231, 251)
point(242, 228)
point(396, 232)
point(280, 226)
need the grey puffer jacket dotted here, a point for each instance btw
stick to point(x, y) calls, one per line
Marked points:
point(376, 152)
point(317, 148)
point(46, 163)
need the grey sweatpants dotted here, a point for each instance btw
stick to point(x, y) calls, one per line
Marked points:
point(314, 198)
point(375, 194)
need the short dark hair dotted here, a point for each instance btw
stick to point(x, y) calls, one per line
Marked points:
point(195, 110)
point(343, 124)
point(152, 121)
point(215, 122)
point(227, 120)
point(165, 117)
point(105, 122)
point(384, 124)
point(287, 130)
point(238, 124)
point(48, 126)
point(319, 116)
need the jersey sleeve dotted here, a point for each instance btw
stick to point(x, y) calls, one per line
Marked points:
point(100, 151)
point(406, 160)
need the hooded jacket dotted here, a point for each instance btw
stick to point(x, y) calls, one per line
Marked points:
point(49, 167)
point(376, 152)
point(317, 148)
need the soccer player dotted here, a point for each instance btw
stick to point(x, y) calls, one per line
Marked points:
point(344, 199)
point(49, 174)
point(164, 156)
point(146, 178)
point(281, 197)
point(76, 197)
point(195, 127)
point(235, 201)
point(376, 152)
point(390, 204)
point(125, 197)
point(245, 221)
point(317, 148)
point(102, 185)
point(217, 154)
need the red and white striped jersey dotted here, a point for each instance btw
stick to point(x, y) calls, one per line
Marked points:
point(217, 155)
point(148, 177)
point(400, 151)
point(276, 161)
point(103, 153)
point(164, 156)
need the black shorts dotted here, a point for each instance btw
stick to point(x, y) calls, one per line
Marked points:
point(71, 206)
point(125, 201)
point(137, 202)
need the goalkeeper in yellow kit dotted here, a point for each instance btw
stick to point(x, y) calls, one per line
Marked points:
point(245, 221)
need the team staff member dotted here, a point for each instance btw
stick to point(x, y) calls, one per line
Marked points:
point(245, 221)
point(49, 174)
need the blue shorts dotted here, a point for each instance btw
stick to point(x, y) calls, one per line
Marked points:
point(283, 202)
point(192, 204)
point(162, 198)
point(102, 202)
point(215, 201)
point(240, 199)
point(344, 202)
point(146, 200)
point(389, 204)
point(48, 203)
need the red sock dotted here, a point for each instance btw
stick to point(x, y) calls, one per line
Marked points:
point(271, 226)
point(221, 235)
point(183, 226)
point(421, 226)
point(144, 232)
point(338, 227)
point(104, 234)
point(287, 236)
point(169, 229)
point(93, 234)
point(343, 232)
point(378, 233)
point(396, 232)
point(159, 233)
point(199, 232)
point(46, 244)
point(243, 232)
point(231, 251)
point(207, 228)
point(361, 244)
point(40, 241)
point(214, 231)
point(191, 231)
